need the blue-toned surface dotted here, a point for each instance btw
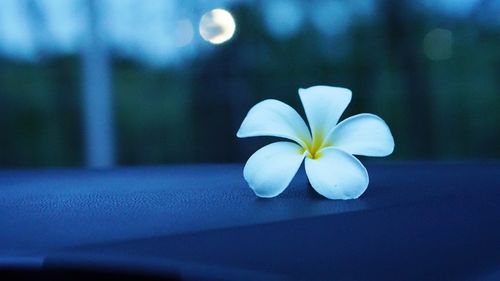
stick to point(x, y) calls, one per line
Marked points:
point(416, 220)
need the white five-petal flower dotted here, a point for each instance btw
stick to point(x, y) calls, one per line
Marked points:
point(328, 147)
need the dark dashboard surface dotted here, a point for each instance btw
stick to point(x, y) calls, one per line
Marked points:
point(417, 220)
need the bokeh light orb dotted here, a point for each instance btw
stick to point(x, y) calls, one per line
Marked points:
point(217, 26)
point(184, 33)
point(438, 44)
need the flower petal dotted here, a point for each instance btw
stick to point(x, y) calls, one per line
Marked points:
point(323, 106)
point(363, 134)
point(277, 119)
point(271, 169)
point(336, 174)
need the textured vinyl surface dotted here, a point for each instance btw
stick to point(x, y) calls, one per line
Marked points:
point(416, 219)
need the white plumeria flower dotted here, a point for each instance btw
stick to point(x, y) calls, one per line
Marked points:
point(328, 148)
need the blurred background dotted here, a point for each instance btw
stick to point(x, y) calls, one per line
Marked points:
point(100, 83)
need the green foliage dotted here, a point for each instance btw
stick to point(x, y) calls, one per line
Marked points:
point(446, 109)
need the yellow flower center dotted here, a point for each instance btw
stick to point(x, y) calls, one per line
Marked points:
point(314, 147)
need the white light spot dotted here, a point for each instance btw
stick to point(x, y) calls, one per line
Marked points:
point(438, 44)
point(217, 26)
